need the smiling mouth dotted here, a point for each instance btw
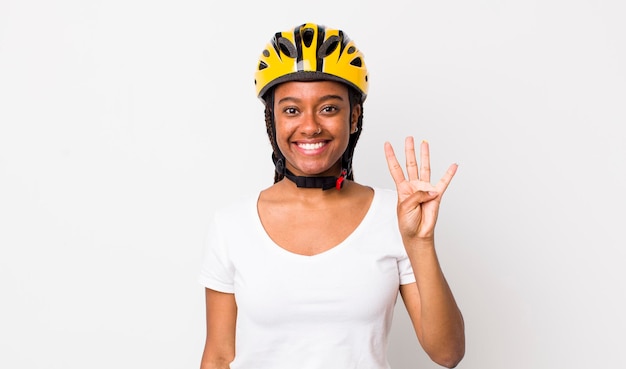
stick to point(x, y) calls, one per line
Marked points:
point(311, 146)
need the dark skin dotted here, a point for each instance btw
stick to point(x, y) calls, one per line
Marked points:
point(313, 124)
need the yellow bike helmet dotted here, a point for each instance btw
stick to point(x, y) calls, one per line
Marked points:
point(311, 52)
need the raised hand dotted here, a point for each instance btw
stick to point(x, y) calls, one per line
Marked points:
point(418, 199)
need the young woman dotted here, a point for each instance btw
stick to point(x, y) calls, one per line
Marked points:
point(306, 273)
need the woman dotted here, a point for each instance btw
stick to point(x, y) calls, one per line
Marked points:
point(306, 273)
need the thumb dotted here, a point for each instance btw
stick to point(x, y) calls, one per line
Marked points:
point(418, 197)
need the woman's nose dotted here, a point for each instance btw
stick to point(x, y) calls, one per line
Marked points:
point(310, 125)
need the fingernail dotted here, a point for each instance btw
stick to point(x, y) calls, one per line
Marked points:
point(432, 193)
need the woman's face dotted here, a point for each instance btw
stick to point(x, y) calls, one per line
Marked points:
point(313, 125)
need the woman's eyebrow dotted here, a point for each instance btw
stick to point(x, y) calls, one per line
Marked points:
point(321, 99)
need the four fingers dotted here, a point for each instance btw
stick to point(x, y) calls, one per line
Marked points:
point(414, 172)
point(417, 192)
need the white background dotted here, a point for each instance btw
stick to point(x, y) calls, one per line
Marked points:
point(124, 124)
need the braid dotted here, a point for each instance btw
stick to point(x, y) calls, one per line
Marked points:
point(271, 130)
point(355, 99)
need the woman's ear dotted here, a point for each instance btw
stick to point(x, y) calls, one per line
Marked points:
point(354, 118)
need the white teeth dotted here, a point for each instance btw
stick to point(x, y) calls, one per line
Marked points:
point(311, 146)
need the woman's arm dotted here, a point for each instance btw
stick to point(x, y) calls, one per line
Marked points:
point(221, 316)
point(434, 313)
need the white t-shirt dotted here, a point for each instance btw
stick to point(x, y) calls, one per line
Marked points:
point(326, 311)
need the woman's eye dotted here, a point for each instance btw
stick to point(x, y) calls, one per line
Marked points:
point(290, 111)
point(329, 109)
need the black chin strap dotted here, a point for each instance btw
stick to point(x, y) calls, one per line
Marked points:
point(325, 183)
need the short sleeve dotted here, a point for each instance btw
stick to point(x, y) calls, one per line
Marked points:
point(217, 271)
point(389, 200)
point(405, 270)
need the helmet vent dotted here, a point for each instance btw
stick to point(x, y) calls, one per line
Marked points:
point(307, 37)
point(351, 50)
point(286, 47)
point(262, 65)
point(357, 62)
point(328, 47)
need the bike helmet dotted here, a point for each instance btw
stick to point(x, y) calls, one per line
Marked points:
point(311, 52)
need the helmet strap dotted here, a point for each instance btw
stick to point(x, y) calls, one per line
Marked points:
point(325, 182)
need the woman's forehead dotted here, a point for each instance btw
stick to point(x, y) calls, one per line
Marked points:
point(310, 90)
